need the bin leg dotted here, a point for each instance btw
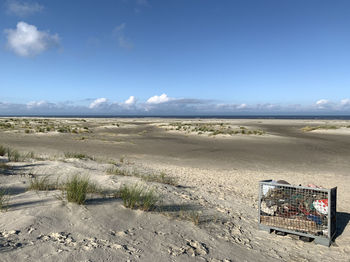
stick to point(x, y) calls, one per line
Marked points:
point(265, 228)
point(323, 241)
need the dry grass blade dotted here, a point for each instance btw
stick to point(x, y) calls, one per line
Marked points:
point(4, 200)
point(161, 178)
point(43, 184)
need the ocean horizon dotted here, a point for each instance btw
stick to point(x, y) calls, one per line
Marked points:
point(315, 117)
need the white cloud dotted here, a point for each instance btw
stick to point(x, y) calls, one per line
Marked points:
point(158, 99)
point(130, 101)
point(26, 40)
point(123, 41)
point(34, 104)
point(242, 106)
point(98, 102)
point(23, 8)
point(323, 103)
point(345, 102)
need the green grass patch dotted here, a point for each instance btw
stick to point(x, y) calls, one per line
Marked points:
point(32, 125)
point(76, 189)
point(161, 178)
point(3, 150)
point(77, 155)
point(213, 129)
point(13, 155)
point(158, 178)
point(139, 197)
point(118, 172)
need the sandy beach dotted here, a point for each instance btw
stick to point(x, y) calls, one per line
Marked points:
point(207, 212)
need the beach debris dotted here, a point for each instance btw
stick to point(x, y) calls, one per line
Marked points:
point(314, 218)
point(268, 210)
point(267, 188)
point(296, 208)
point(290, 223)
point(321, 206)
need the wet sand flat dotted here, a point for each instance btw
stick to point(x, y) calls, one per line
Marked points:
point(288, 146)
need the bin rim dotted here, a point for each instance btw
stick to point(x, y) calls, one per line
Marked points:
point(269, 182)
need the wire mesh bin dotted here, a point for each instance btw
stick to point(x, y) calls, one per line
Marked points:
point(304, 211)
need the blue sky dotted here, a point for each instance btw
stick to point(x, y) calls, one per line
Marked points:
point(174, 57)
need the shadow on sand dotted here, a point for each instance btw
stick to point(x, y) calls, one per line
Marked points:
point(10, 170)
point(11, 191)
point(177, 208)
point(101, 201)
point(28, 204)
point(343, 219)
point(7, 245)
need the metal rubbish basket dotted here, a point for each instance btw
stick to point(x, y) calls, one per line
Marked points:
point(304, 211)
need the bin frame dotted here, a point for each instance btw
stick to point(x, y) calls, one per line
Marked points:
point(332, 203)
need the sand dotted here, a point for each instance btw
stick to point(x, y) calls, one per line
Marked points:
point(211, 215)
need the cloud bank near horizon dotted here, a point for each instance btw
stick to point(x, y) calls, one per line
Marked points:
point(165, 105)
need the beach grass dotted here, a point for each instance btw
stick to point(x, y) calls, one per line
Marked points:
point(13, 155)
point(192, 216)
point(32, 126)
point(213, 129)
point(43, 184)
point(3, 150)
point(118, 172)
point(77, 188)
point(136, 196)
point(4, 200)
point(77, 155)
point(325, 127)
point(162, 178)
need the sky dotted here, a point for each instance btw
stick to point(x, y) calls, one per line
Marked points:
point(174, 57)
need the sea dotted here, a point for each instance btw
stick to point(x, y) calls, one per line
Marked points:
point(321, 117)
